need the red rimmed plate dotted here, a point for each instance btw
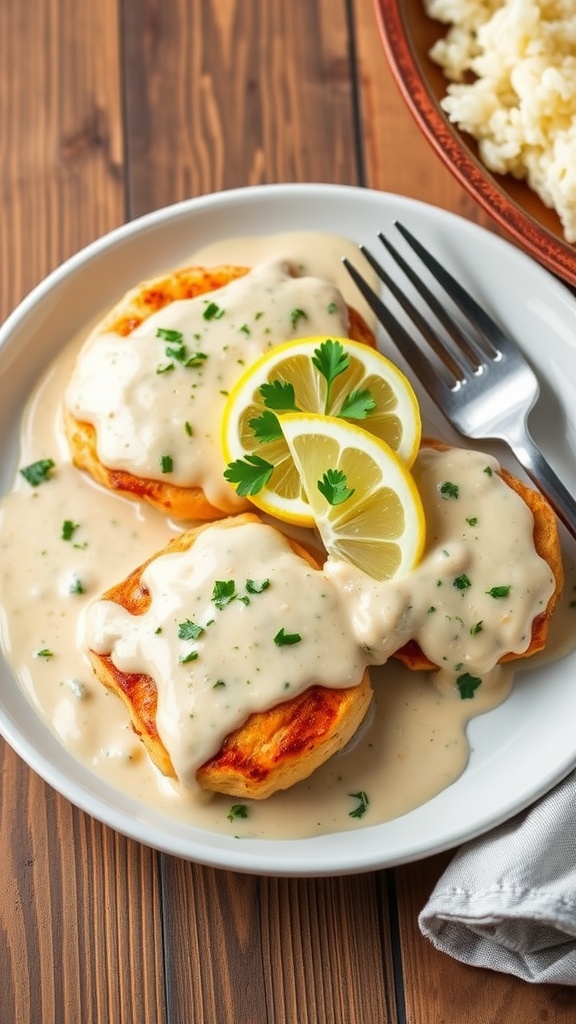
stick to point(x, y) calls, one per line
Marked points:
point(407, 35)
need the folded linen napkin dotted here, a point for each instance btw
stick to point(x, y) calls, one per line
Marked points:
point(507, 900)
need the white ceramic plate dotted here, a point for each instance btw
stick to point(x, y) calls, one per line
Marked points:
point(521, 749)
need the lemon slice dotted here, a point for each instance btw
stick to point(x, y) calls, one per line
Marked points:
point(332, 376)
point(364, 501)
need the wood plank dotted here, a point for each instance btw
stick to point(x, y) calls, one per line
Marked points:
point(266, 949)
point(227, 93)
point(78, 903)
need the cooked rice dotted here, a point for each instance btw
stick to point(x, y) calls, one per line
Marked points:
point(521, 105)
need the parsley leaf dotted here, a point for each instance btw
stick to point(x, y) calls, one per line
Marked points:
point(68, 529)
point(296, 315)
point(223, 592)
point(283, 639)
point(166, 463)
point(257, 586)
point(237, 811)
point(191, 656)
point(266, 427)
point(250, 474)
point(357, 405)
point(37, 472)
point(333, 487)
point(467, 684)
point(330, 359)
point(169, 335)
point(449, 490)
point(279, 394)
point(213, 312)
point(189, 630)
point(499, 591)
point(362, 806)
point(461, 582)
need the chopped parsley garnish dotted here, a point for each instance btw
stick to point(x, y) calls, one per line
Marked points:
point(237, 811)
point(37, 472)
point(467, 684)
point(191, 656)
point(357, 405)
point(283, 639)
point(461, 582)
point(362, 806)
point(250, 474)
point(279, 395)
point(69, 529)
point(333, 487)
point(224, 591)
point(330, 359)
point(189, 630)
point(449, 490)
point(498, 592)
point(487, 470)
point(476, 628)
point(266, 427)
point(76, 587)
point(218, 684)
point(331, 307)
point(188, 428)
point(166, 463)
point(167, 334)
point(472, 521)
point(164, 367)
point(44, 652)
point(257, 586)
point(213, 312)
point(296, 315)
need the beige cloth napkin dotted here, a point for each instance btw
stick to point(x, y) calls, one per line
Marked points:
point(507, 900)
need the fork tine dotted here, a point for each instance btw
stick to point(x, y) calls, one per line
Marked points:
point(450, 361)
point(476, 316)
point(424, 370)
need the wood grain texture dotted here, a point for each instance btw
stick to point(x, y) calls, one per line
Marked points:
point(77, 901)
point(305, 950)
point(227, 93)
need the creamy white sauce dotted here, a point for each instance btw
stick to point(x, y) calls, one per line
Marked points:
point(156, 396)
point(43, 633)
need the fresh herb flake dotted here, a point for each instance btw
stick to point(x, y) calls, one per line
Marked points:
point(191, 656)
point(237, 811)
point(189, 630)
point(499, 592)
point(257, 586)
point(362, 806)
point(461, 582)
point(279, 395)
point(167, 334)
point(166, 463)
point(213, 312)
point(250, 474)
point(333, 487)
point(223, 592)
point(283, 639)
point(296, 315)
point(69, 529)
point(37, 472)
point(467, 685)
point(449, 490)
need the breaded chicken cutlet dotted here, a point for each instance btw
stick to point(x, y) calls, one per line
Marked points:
point(272, 749)
point(188, 501)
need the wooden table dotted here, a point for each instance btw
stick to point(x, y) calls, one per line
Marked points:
point(109, 109)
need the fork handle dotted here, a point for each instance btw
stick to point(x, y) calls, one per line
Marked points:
point(541, 473)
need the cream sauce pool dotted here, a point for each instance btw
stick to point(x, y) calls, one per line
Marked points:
point(412, 744)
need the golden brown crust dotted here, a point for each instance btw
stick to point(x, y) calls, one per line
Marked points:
point(273, 749)
point(135, 307)
point(547, 545)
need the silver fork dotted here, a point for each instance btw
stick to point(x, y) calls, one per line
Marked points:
point(481, 382)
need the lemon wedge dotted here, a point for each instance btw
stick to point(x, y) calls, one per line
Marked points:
point(364, 501)
point(336, 377)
